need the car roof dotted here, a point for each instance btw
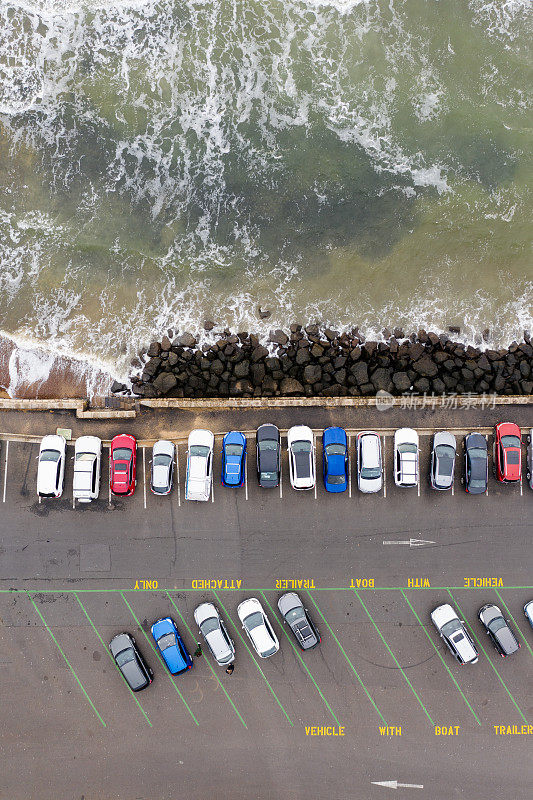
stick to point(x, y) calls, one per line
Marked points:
point(370, 448)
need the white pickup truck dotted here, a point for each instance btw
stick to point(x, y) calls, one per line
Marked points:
point(87, 460)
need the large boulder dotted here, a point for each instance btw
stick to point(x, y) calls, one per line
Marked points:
point(302, 356)
point(360, 372)
point(185, 340)
point(242, 369)
point(279, 337)
point(165, 382)
point(259, 353)
point(402, 381)
point(426, 367)
point(312, 373)
point(154, 349)
point(151, 367)
point(165, 344)
point(381, 380)
point(291, 386)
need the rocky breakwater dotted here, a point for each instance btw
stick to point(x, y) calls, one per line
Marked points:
point(317, 362)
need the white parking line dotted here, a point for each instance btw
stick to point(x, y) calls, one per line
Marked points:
point(487, 489)
point(178, 473)
point(349, 466)
point(418, 485)
point(246, 477)
point(109, 478)
point(144, 476)
point(314, 457)
point(280, 477)
point(384, 469)
point(5, 470)
point(212, 490)
point(521, 490)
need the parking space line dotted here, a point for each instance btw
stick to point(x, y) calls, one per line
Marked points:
point(348, 660)
point(280, 477)
point(300, 659)
point(349, 466)
point(207, 661)
point(450, 673)
point(106, 648)
point(178, 473)
point(109, 481)
point(384, 461)
point(30, 598)
point(516, 626)
point(490, 662)
point(255, 662)
point(246, 477)
point(418, 484)
point(487, 489)
point(212, 488)
point(5, 470)
point(165, 668)
point(144, 476)
point(395, 659)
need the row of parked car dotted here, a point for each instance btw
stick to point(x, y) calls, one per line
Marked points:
point(301, 450)
point(262, 636)
point(214, 633)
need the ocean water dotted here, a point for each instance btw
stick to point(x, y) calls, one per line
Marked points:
point(353, 162)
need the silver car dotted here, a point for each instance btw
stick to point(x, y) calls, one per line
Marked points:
point(528, 611)
point(163, 453)
point(215, 634)
point(295, 615)
point(369, 466)
point(443, 460)
point(454, 633)
point(130, 662)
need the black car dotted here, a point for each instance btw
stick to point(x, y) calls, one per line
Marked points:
point(296, 616)
point(268, 456)
point(476, 464)
point(498, 629)
point(130, 662)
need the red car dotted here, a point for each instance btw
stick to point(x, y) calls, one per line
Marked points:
point(508, 453)
point(123, 465)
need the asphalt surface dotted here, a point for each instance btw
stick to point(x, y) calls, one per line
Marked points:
point(69, 726)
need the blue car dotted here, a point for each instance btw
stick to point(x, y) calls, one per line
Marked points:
point(170, 645)
point(233, 459)
point(335, 457)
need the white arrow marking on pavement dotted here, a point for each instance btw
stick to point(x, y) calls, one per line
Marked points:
point(396, 785)
point(411, 542)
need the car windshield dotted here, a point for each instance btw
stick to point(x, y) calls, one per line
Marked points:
point(122, 454)
point(50, 455)
point(510, 441)
point(335, 449)
point(85, 457)
point(336, 479)
point(370, 473)
point(167, 640)
point(209, 625)
point(254, 620)
point(497, 624)
point(124, 657)
point(269, 444)
point(162, 460)
point(451, 627)
point(477, 483)
point(478, 452)
point(407, 447)
point(199, 450)
point(301, 447)
point(268, 476)
point(293, 614)
point(233, 449)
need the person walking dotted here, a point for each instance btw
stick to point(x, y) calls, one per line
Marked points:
point(230, 668)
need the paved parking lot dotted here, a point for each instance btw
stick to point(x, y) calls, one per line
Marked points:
point(369, 705)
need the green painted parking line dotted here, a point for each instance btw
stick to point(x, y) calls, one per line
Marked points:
point(348, 660)
point(395, 659)
point(441, 658)
point(516, 626)
point(490, 662)
point(280, 704)
point(71, 668)
point(111, 657)
point(159, 658)
point(207, 662)
point(302, 662)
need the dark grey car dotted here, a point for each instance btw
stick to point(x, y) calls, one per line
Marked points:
point(498, 629)
point(268, 456)
point(130, 662)
point(443, 460)
point(476, 464)
point(295, 615)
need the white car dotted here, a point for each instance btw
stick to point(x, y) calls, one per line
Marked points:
point(301, 444)
point(87, 459)
point(369, 465)
point(215, 634)
point(163, 453)
point(455, 634)
point(255, 623)
point(406, 470)
point(199, 478)
point(51, 468)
